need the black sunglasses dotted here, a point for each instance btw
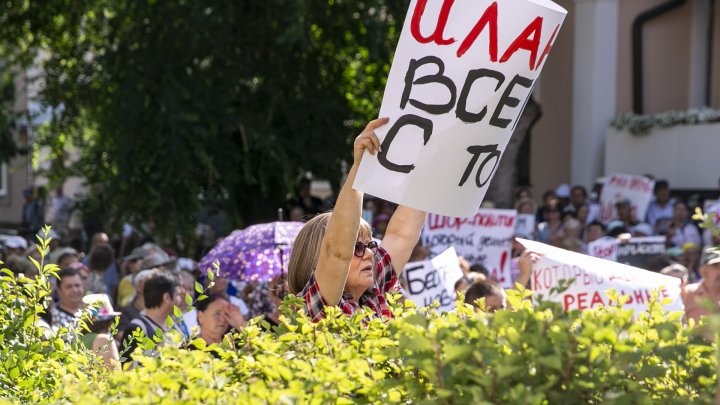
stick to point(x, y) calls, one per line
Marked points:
point(360, 248)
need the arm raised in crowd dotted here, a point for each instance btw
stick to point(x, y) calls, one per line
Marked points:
point(338, 243)
point(403, 233)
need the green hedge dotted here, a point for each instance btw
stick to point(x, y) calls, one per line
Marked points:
point(528, 354)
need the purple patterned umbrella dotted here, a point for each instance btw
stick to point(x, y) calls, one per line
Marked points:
point(256, 253)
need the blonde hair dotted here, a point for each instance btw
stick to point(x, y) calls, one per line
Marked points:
point(306, 250)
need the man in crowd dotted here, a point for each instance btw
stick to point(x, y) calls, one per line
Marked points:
point(137, 305)
point(162, 293)
point(15, 245)
point(708, 289)
point(70, 293)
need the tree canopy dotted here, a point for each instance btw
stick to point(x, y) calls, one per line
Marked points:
point(175, 107)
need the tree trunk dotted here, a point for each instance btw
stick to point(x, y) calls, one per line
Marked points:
point(502, 187)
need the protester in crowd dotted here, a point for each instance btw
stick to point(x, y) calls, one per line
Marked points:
point(682, 230)
point(676, 270)
point(219, 286)
point(594, 231)
point(100, 258)
point(98, 339)
point(137, 305)
point(110, 274)
point(490, 291)
point(708, 289)
point(625, 213)
point(278, 290)
point(551, 231)
point(215, 316)
point(15, 245)
point(579, 201)
point(20, 265)
point(162, 293)
point(661, 206)
point(64, 257)
point(334, 259)
point(525, 206)
point(131, 264)
point(70, 293)
point(563, 195)
point(550, 200)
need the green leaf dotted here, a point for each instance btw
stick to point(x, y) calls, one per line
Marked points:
point(188, 299)
point(178, 313)
point(198, 288)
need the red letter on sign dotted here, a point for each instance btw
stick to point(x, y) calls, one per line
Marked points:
point(490, 16)
point(439, 28)
point(525, 41)
point(549, 45)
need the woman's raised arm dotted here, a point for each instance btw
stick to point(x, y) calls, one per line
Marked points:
point(338, 244)
point(402, 235)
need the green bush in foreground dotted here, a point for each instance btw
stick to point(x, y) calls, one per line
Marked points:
point(525, 355)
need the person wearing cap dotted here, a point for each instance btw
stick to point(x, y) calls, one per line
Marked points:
point(132, 264)
point(708, 288)
point(15, 245)
point(98, 338)
point(676, 270)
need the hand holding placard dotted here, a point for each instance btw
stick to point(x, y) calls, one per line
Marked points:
point(462, 73)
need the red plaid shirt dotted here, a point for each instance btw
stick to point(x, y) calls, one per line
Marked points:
point(374, 298)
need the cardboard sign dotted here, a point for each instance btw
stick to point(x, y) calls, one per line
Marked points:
point(713, 207)
point(637, 251)
point(618, 187)
point(462, 73)
point(525, 226)
point(434, 280)
point(604, 248)
point(484, 239)
point(593, 277)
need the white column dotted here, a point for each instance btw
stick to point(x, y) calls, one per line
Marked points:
point(594, 86)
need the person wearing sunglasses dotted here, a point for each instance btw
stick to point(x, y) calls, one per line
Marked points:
point(334, 259)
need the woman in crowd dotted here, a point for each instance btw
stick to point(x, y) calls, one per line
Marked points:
point(681, 230)
point(216, 315)
point(334, 259)
point(98, 339)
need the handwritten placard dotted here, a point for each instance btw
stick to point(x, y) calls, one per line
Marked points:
point(461, 76)
point(434, 280)
point(618, 187)
point(593, 277)
point(525, 226)
point(483, 239)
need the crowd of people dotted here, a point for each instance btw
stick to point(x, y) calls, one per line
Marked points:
point(339, 259)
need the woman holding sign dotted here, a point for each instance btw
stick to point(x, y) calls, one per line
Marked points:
point(334, 259)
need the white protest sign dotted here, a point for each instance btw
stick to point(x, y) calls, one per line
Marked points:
point(593, 277)
point(462, 73)
point(713, 207)
point(483, 239)
point(604, 248)
point(434, 280)
point(618, 187)
point(525, 226)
